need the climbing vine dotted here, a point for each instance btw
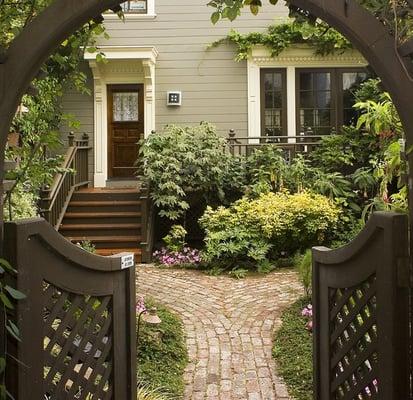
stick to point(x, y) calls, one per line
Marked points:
point(320, 36)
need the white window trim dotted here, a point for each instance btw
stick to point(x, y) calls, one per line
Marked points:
point(289, 59)
point(151, 14)
point(126, 65)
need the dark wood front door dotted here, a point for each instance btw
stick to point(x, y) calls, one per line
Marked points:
point(125, 128)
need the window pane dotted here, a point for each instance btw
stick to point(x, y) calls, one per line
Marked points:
point(272, 123)
point(351, 82)
point(322, 81)
point(306, 79)
point(315, 105)
point(306, 100)
point(125, 107)
point(323, 99)
point(135, 6)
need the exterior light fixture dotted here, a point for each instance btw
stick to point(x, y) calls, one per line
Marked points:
point(149, 316)
point(174, 98)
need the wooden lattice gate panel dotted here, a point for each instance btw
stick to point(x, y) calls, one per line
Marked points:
point(77, 323)
point(361, 327)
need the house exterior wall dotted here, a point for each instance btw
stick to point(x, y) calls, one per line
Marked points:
point(213, 86)
point(81, 107)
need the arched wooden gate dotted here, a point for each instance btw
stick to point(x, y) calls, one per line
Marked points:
point(386, 234)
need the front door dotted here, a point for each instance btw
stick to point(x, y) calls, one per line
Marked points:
point(125, 128)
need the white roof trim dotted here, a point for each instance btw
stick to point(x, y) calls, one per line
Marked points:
point(300, 55)
point(125, 53)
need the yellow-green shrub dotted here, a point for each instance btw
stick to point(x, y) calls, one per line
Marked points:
point(264, 228)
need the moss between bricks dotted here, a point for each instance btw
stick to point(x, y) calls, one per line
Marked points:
point(293, 352)
point(162, 353)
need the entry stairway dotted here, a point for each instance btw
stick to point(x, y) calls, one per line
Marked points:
point(111, 219)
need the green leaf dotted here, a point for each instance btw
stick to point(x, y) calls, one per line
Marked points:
point(6, 301)
point(12, 333)
point(254, 9)
point(273, 2)
point(215, 17)
point(4, 263)
point(16, 294)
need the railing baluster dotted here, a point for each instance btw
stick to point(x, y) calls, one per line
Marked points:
point(54, 201)
point(243, 146)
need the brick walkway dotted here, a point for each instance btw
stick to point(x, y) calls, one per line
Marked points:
point(229, 327)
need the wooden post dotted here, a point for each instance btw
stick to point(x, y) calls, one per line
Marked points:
point(71, 139)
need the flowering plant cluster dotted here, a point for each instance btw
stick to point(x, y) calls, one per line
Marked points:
point(140, 305)
point(187, 256)
point(307, 313)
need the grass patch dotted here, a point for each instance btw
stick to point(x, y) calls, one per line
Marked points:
point(162, 354)
point(293, 352)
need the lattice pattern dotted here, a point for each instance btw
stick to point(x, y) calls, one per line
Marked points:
point(77, 345)
point(353, 341)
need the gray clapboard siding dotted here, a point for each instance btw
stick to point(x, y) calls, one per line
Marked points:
point(82, 107)
point(214, 86)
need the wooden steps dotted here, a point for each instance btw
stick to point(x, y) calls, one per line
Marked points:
point(110, 219)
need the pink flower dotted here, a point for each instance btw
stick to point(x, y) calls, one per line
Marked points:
point(307, 311)
point(140, 305)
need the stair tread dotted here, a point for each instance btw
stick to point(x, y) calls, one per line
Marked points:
point(115, 239)
point(103, 214)
point(108, 190)
point(99, 226)
point(97, 203)
point(134, 250)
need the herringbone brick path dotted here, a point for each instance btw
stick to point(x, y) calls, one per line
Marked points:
point(229, 328)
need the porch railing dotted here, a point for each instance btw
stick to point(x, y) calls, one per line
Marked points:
point(55, 199)
point(148, 223)
point(290, 145)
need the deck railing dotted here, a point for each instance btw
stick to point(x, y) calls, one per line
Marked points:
point(290, 145)
point(55, 199)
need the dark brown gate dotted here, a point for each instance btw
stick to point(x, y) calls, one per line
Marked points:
point(78, 321)
point(361, 299)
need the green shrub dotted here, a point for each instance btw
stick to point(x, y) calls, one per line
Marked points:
point(293, 352)
point(184, 160)
point(175, 239)
point(87, 245)
point(250, 232)
point(23, 204)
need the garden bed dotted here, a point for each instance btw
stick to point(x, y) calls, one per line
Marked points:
point(293, 352)
point(162, 355)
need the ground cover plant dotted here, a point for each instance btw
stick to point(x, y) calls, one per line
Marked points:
point(161, 355)
point(293, 350)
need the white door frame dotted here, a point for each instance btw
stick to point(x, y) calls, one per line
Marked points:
point(124, 65)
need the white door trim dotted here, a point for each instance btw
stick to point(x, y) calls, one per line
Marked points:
point(125, 65)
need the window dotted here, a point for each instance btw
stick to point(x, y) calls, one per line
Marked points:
point(325, 98)
point(135, 7)
point(273, 102)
